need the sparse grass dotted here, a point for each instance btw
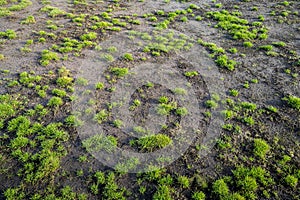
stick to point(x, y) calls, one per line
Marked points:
point(39, 127)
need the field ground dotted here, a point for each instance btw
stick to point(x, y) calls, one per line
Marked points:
point(83, 81)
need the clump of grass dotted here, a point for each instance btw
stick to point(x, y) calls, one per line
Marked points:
point(99, 86)
point(112, 49)
point(28, 79)
point(53, 11)
point(136, 103)
point(89, 36)
point(48, 56)
point(9, 34)
point(211, 104)
point(59, 93)
point(193, 6)
point(220, 188)
point(20, 6)
point(81, 81)
point(128, 56)
point(261, 148)
point(198, 196)
point(119, 72)
point(165, 107)
point(73, 120)
point(191, 73)
point(293, 101)
point(64, 81)
point(8, 108)
point(291, 180)
point(180, 91)
point(223, 61)
point(118, 123)
point(184, 181)
point(163, 192)
point(101, 116)
point(108, 57)
point(285, 3)
point(5, 12)
point(279, 44)
point(182, 111)
point(234, 92)
point(29, 20)
point(248, 44)
point(233, 50)
point(239, 28)
point(198, 18)
point(55, 102)
point(100, 142)
point(266, 47)
point(151, 142)
point(272, 109)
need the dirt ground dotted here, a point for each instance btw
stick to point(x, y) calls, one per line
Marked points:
point(150, 99)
